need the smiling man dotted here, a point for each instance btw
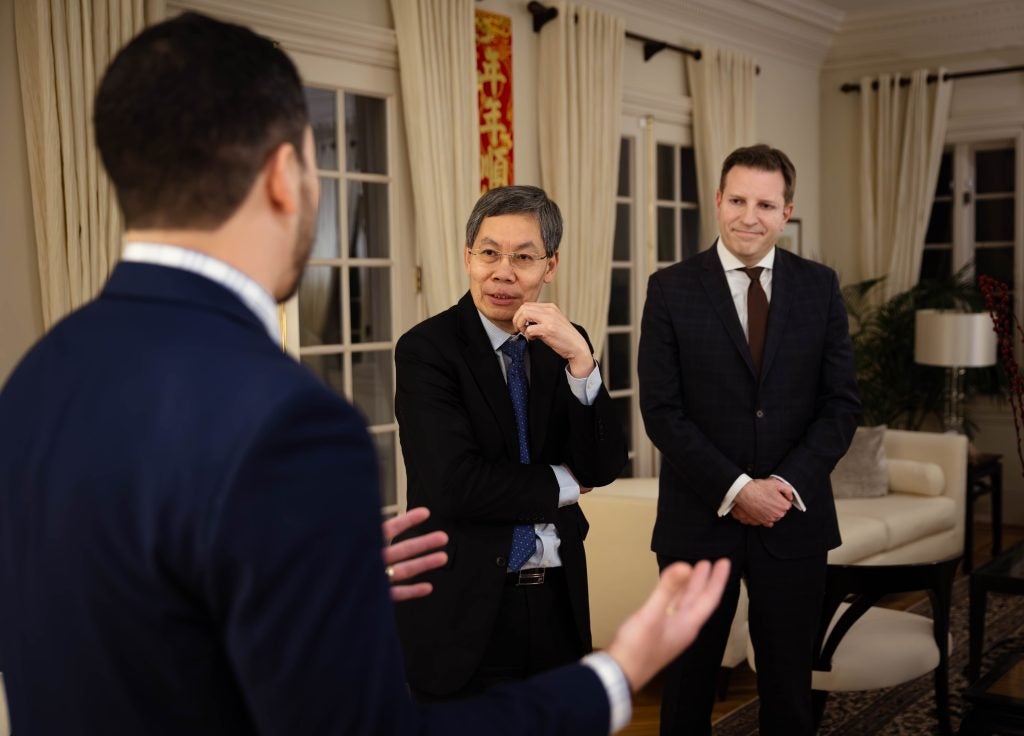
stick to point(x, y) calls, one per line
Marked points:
point(747, 388)
point(504, 422)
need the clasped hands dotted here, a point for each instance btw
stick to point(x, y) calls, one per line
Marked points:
point(763, 502)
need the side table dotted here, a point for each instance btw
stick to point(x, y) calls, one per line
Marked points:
point(984, 477)
point(1004, 574)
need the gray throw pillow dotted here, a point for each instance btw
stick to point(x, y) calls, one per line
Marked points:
point(863, 471)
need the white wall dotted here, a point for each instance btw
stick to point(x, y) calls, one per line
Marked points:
point(21, 322)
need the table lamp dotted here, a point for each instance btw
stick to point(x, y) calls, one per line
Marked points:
point(955, 341)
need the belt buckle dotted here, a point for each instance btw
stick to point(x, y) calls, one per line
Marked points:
point(533, 576)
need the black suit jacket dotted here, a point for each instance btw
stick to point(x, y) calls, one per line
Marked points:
point(190, 539)
point(461, 450)
point(713, 418)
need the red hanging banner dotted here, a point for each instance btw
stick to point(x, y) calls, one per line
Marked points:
point(494, 98)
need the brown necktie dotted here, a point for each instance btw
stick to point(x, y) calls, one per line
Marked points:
point(757, 315)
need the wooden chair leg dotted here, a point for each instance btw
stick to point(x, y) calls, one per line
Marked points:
point(724, 676)
point(818, 698)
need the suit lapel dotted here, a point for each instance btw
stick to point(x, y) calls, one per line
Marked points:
point(712, 277)
point(782, 297)
point(483, 364)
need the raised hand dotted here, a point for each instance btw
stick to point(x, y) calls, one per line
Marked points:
point(411, 557)
point(669, 619)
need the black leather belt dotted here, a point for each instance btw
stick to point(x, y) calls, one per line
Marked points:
point(532, 576)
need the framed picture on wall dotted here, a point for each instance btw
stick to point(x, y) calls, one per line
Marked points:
point(790, 238)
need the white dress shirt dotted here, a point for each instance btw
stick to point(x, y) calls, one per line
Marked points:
point(739, 282)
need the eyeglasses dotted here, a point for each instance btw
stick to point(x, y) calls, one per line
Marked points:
point(519, 261)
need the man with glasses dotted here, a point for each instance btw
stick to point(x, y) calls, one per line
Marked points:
point(504, 422)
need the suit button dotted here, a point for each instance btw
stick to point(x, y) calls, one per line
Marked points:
point(750, 469)
point(501, 562)
point(759, 414)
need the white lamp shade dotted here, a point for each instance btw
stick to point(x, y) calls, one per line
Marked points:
point(954, 339)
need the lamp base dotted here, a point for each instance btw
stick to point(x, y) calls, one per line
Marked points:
point(953, 418)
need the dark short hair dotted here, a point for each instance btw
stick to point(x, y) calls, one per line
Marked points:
point(762, 158)
point(186, 116)
point(518, 200)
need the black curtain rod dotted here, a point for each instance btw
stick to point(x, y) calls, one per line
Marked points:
point(542, 14)
point(851, 87)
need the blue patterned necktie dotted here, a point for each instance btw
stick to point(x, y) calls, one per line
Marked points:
point(523, 536)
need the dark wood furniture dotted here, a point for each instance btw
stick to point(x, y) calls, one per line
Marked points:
point(1004, 574)
point(984, 477)
point(996, 701)
point(863, 586)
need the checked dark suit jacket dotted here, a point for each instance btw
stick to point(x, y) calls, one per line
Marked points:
point(461, 450)
point(190, 539)
point(713, 418)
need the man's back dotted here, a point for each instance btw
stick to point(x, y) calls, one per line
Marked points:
point(131, 520)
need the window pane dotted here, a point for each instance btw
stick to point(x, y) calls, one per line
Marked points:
point(666, 234)
point(944, 185)
point(936, 264)
point(326, 243)
point(366, 134)
point(689, 228)
point(621, 249)
point(367, 220)
point(625, 166)
point(329, 369)
point(995, 262)
point(940, 229)
point(324, 121)
point(624, 410)
point(320, 306)
point(666, 172)
point(385, 443)
point(687, 176)
point(620, 364)
point(370, 304)
point(994, 170)
point(372, 390)
point(993, 220)
point(618, 303)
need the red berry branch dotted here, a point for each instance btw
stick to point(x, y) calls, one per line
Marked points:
point(1007, 328)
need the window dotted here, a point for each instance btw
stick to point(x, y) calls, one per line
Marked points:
point(974, 214)
point(346, 324)
point(657, 205)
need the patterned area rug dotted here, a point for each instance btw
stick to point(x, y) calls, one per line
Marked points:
point(909, 709)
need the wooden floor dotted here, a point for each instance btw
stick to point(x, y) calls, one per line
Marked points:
point(743, 683)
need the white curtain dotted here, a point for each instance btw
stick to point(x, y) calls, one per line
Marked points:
point(64, 46)
point(722, 90)
point(437, 56)
point(902, 134)
point(579, 102)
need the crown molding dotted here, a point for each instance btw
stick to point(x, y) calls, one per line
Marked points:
point(303, 30)
point(800, 31)
point(946, 28)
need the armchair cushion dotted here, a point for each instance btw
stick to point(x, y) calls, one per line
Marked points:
point(914, 476)
point(863, 472)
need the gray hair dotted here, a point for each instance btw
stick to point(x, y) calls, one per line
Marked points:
point(518, 200)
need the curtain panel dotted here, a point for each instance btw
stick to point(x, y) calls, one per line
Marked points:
point(63, 47)
point(579, 103)
point(722, 90)
point(901, 138)
point(437, 67)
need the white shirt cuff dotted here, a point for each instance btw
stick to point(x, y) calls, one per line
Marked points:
point(798, 502)
point(620, 702)
point(568, 488)
point(730, 496)
point(585, 389)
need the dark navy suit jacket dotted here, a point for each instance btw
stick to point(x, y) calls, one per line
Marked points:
point(713, 418)
point(190, 539)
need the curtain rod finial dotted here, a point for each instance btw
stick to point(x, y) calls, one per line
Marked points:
point(541, 14)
